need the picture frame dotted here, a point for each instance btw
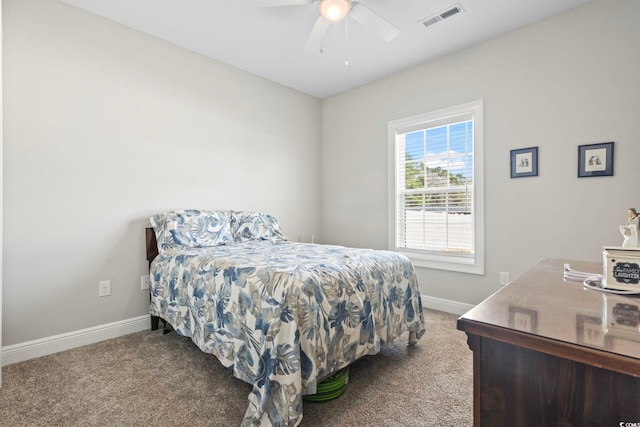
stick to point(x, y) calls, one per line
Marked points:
point(589, 331)
point(523, 319)
point(595, 160)
point(524, 162)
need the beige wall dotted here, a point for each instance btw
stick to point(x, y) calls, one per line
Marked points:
point(566, 81)
point(1, 198)
point(105, 126)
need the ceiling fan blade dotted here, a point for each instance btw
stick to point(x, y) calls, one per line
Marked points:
point(314, 41)
point(276, 3)
point(373, 21)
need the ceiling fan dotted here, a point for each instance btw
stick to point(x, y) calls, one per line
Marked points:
point(335, 10)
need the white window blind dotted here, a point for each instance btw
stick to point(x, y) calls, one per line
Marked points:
point(435, 198)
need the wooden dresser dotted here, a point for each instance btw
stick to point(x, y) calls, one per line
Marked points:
point(547, 352)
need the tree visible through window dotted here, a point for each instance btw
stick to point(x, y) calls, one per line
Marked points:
point(435, 214)
point(438, 186)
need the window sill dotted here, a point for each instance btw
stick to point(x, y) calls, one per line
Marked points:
point(443, 262)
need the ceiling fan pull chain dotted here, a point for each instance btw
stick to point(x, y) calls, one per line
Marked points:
point(346, 41)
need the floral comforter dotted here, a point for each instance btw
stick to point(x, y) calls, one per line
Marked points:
point(285, 315)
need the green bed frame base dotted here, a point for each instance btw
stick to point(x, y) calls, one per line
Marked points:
point(330, 388)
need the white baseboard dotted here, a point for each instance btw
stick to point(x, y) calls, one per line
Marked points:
point(49, 345)
point(448, 306)
point(41, 347)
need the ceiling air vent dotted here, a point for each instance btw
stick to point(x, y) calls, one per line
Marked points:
point(444, 14)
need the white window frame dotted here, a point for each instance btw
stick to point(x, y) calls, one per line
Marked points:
point(442, 260)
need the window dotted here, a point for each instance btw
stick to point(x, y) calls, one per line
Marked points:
point(435, 186)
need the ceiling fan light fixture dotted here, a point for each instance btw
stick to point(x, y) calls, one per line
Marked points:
point(334, 10)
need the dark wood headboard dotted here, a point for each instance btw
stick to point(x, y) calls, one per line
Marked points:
point(152, 244)
point(152, 252)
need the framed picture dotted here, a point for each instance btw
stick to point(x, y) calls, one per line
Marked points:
point(589, 331)
point(523, 319)
point(595, 160)
point(524, 162)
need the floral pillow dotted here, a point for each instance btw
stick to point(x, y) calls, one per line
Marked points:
point(192, 229)
point(246, 225)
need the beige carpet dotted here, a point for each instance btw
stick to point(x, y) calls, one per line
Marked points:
point(150, 379)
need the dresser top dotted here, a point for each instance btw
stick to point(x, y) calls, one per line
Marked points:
point(541, 303)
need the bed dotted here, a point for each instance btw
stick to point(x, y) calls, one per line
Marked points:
point(281, 315)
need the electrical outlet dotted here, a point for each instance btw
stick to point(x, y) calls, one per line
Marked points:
point(104, 288)
point(145, 282)
point(504, 278)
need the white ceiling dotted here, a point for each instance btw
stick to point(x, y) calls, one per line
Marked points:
point(268, 41)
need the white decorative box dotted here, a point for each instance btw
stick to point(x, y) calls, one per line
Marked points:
point(621, 268)
point(620, 320)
